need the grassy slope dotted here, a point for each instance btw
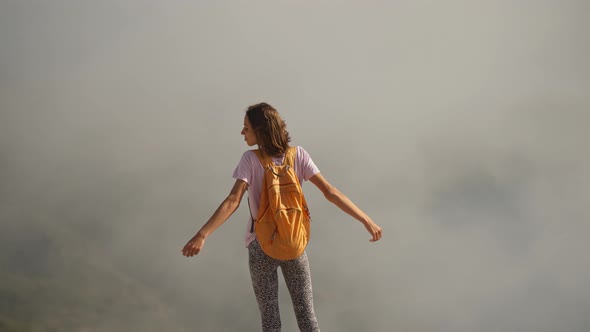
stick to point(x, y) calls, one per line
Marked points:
point(47, 285)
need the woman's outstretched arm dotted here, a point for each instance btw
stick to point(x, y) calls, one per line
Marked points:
point(334, 195)
point(223, 212)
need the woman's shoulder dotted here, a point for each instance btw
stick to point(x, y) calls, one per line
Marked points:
point(302, 155)
point(301, 151)
point(249, 154)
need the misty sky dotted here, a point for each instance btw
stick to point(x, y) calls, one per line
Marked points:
point(461, 127)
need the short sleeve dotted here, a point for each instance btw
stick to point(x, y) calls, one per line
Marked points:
point(306, 164)
point(243, 170)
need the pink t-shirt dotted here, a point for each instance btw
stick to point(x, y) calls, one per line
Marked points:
point(250, 169)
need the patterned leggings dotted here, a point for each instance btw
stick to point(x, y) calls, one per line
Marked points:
point(263, 270)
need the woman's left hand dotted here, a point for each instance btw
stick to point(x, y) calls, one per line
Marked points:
point(374, 230)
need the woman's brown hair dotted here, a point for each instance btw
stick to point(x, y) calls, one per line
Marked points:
point(270, 129)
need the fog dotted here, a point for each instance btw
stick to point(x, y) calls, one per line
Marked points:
point(460, 127)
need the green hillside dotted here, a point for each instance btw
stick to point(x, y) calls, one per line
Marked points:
point(48, 282)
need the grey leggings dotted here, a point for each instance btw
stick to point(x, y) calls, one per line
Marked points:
point(263, 270)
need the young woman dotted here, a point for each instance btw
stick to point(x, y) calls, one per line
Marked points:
point(264, 127)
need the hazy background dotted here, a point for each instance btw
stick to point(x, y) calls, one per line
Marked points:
point(460, 126)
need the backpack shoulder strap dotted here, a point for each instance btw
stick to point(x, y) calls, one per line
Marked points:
point(290, 156)
point(264, 160)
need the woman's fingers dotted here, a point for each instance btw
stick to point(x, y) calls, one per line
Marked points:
point(191, 250)
point(193, 247)
point(376, 232)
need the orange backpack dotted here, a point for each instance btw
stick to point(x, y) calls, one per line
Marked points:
point(283, 222)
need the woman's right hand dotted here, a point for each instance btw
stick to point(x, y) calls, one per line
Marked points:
point(194, 245)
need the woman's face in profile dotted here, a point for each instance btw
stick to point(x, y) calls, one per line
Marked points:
point(248, 132)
